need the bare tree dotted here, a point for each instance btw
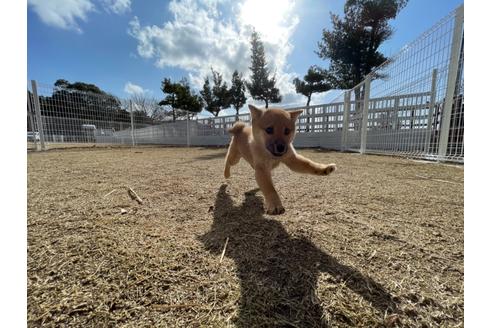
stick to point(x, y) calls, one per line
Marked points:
point(145, 103)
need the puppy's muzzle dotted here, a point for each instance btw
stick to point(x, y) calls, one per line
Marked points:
point(277, 148)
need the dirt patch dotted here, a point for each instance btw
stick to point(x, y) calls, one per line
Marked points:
point(378, 243)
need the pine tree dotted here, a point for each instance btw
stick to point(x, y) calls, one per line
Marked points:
point(180, 97)
point(352, 45)
point(207, 97)
point(238, 87)
point(261, 86)
point(314, 81)
point(217, 97)
point(220, 92)
point(188, 100)
point(170, 89)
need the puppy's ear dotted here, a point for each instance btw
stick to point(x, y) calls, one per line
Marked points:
point(295, 113)
point(255, 112)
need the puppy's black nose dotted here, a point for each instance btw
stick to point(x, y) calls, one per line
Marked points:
point(280, 149)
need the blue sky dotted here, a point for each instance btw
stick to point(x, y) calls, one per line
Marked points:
point(127, 46)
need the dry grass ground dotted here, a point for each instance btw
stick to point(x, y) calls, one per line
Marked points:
point(378, 243)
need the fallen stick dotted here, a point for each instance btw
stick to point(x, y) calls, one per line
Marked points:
point(224, 250)
point(109, 193)
point(133, 195)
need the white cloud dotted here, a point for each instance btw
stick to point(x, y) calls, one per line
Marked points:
point(135, 89)
point(67, 14)
point(64, 14)
point(199, 37)
point(118, 6)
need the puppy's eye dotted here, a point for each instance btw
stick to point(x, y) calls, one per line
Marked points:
point(286, 131)
point(269, 130)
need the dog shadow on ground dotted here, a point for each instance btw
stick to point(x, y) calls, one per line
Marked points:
point(206, 157)
point(278, 273)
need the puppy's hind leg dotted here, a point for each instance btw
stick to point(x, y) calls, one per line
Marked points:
point(232, 158)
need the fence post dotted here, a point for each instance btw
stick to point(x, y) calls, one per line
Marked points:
point(365, 114)
point(396, 106)
point(187, 129)
point(451, 83)
point(131, 122)
point(37, 108)
point(432, 103)
point(312, 119)
point(29, 114)
point(324, 119)
point(346, 115)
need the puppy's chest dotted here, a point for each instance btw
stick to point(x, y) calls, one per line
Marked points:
point(275, 164)
point(268, 163)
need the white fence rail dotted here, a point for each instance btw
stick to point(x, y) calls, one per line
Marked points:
point(412, 105)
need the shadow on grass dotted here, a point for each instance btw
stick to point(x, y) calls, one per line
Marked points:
point(278, 273)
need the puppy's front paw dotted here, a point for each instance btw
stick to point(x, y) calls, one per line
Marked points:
point(327, 169)
point(274, 209)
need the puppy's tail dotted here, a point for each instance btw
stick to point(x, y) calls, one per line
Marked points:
point(237, 128)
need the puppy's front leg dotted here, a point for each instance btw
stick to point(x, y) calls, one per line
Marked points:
point(272, 200)
point(302, 164)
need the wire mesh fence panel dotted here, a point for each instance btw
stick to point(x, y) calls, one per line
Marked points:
point(76, 118)
point(218, 126)
point(147, 130)
point(213, 131)
point(170, 133)
point(455, 149)
point(408, 94)
point(73, 117)
point(398, 123)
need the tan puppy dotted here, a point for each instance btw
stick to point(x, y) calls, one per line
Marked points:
point(264, 145)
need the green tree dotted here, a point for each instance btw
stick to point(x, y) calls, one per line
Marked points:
point(261, 86)
point(79, 86)
point(314, 81)
point(220, 92)
point(237, 90)
point(80, 100)
point(352, 45)
point(180, 98)
point(188, 100)
point(207, 96)
point(170, 91)
point(217, 97)
point(62, 83)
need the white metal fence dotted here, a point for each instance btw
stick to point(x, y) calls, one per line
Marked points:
point(412, 105)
